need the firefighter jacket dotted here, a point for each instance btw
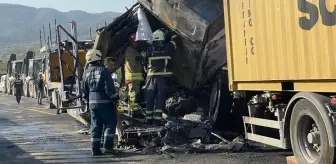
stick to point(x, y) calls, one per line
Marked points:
point(97, 87)
point(159, 59)
point(18, 85)
point(133, 65)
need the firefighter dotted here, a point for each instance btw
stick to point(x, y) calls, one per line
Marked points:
point(18, 86)
point(98, 89)
point(110, 64)
point(159, 71)
point(133, 75)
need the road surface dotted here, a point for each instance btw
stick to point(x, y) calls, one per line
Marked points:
point(32, 134)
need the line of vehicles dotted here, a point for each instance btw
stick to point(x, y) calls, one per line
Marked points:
point(29, 68)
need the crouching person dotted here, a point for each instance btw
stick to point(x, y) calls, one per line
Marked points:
point(99, 90)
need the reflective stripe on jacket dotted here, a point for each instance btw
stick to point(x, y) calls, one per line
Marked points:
point(133, 65)
point(159, 59)
point(98, 86)
point(18, 83)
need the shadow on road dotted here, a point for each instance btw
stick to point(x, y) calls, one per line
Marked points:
point(11, 152)
point(13, 149)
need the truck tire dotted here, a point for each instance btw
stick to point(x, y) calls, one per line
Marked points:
point(25, 90)
point(9, 90)
point(32, 91)
point(214, 101)
point(308, 135)
point(220, 103)
point(51, 105)
point(13, 91)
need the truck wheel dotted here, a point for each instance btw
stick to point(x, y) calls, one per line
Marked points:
point(214, 101)
point(25, 90)
point(8, 89)
point(13, 91)
point(308, 134)
point(31, 91)
point(220, 104)
point(35, 91)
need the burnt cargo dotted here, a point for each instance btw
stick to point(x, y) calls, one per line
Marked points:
point(281, 45)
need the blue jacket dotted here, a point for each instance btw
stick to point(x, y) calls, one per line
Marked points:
point(98, 87)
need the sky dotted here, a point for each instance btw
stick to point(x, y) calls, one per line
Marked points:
point(91, 6)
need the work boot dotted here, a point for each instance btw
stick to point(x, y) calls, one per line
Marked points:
point(110, 151)
point(96, 153)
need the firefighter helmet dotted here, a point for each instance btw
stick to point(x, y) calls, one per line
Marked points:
point(93, 55)
point(159, 35)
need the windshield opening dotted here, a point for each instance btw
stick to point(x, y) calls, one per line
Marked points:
point(35, 67)
point(16, 68)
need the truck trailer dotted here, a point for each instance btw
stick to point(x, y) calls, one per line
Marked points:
point(281, 64)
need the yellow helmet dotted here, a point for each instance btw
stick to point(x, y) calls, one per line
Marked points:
point(93, 55)
point(159, 35)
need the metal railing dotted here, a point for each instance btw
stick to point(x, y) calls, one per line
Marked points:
point(75, 55)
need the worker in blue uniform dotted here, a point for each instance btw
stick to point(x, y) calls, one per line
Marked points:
point(159, 70)
point(18, 86)
point(99, 90)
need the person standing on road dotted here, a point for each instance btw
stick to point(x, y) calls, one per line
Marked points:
point(110, 64)
point(18, 85)
point(159, 71)
point(98, 89)
point(40, 87)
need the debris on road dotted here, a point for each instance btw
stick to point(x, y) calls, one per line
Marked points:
point(83, 131)
point(176, 136)
point(218, 136)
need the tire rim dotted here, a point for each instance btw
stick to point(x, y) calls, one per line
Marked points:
point(309, 139)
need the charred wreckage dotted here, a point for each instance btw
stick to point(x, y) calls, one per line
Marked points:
point(199, 100)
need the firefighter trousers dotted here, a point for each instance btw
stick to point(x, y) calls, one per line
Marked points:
point(155, 90)
point(99, 118)
point(133, 93)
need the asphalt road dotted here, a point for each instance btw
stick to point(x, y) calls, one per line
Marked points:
point(32, 134)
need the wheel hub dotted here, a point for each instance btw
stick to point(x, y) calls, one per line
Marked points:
point(309, 139)
point(314, 137)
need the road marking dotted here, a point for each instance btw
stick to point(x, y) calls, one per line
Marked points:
point(42, 112)
point(7, 110)
point(43, 154)
point(35, 110)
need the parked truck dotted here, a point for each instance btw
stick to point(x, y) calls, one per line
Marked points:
point(280, 57)
point(14, 67)
point(34, 71)
point(26, 77)
point(12, 57)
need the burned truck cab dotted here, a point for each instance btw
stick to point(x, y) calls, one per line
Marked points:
point(197, 22)
point(200, 61)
